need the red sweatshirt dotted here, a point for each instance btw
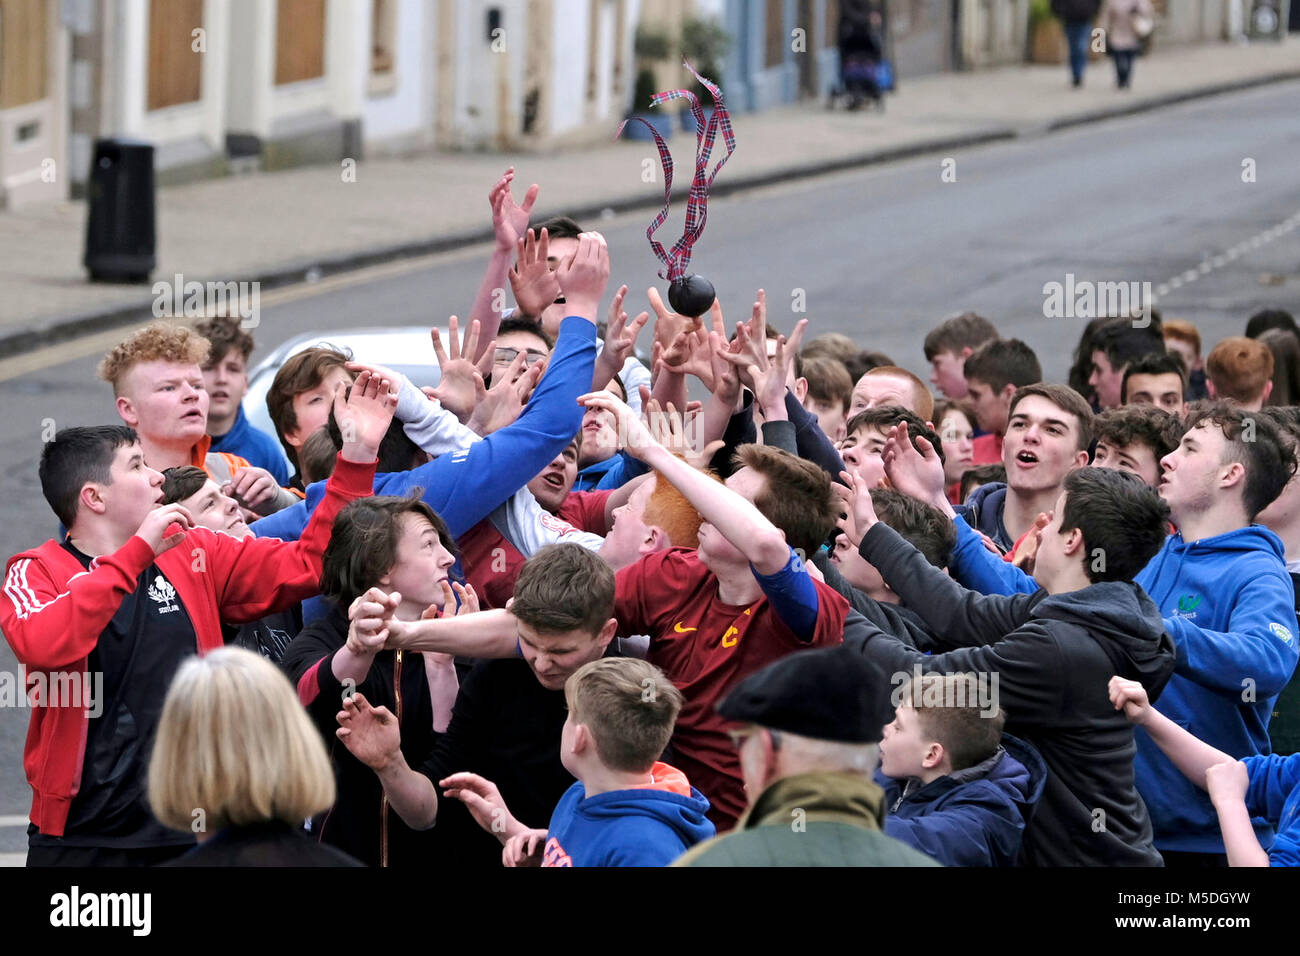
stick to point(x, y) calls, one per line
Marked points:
point(53, 612)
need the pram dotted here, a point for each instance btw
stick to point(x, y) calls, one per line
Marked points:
point(865, 72)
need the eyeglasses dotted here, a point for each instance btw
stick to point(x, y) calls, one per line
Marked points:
point(739, 736)
point(504, 356)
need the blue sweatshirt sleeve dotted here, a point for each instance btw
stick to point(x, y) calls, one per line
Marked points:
point(964, 831)
point(793, 596)
point(466, 486)
point(811, 440)
point(620, 473)
point(1273, 779)
point(976, 567)
point(1259, 644)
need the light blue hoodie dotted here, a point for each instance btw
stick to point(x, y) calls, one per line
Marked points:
point(1229, 605)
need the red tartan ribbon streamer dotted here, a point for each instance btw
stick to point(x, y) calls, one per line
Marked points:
point(679, 257)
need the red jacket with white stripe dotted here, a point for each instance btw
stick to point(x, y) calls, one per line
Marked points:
point(53, 612)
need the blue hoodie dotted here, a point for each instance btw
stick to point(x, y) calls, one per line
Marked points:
point(1274, 793)
point(254, 446)
point(983, 511)
point(974, 817)
point(465, 487)
point(649, 826)
point(1229, 605)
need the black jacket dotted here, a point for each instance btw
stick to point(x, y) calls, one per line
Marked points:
point(274, 843)
point(1053, 656)
point(360, 823)
point(902, 623)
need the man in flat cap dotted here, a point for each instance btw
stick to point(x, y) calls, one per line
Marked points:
point(808, 729)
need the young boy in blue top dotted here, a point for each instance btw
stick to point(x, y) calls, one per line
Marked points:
point(955, 788)
point(628, 808)
point(1263, 785)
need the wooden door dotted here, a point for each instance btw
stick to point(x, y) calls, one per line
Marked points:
point(174, 67)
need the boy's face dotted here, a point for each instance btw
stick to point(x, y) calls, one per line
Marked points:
point(875, 390)
point(1190, 359)
point(862, 453)
point(904, 747)
point(599, 435)
point(553, 485)
point(216, 511)
point(1191, 473)
point(1283, 511)
point(630, 536)
point(166, 402)
point(990, 406)
point(947, 374)
point(312, 407)
point(559, 251)
point(420, 564)
point(134, 490)
point(1137, 458)
point(1107, 380)
point(1050, 557)
point(830, 416)
point(714, 549)
point(510, 344)
point(1165, 391)
point(226, 381)
point(1040, 446)
point(859, 572)
point(554, 657)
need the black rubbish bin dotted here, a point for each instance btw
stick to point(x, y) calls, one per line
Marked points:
point(121, 235)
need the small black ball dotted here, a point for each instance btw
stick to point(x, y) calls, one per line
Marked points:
point(691, 295)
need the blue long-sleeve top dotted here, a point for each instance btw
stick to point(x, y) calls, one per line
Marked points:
point(255, 446)
point(466, 486)
point(614, 472)
point(974, 566)
point(810, 440)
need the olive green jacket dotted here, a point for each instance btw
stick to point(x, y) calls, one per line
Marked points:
point(811, 819)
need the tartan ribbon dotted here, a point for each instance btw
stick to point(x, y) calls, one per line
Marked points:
point(678, 257)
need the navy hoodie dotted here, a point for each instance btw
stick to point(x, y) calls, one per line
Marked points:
point(974, 817)
point(1229, 604)
point(647, 826)
point(983, 512)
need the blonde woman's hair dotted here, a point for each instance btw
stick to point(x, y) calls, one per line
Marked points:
point(235, 744)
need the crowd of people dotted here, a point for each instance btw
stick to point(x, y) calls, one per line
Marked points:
point(553, 612)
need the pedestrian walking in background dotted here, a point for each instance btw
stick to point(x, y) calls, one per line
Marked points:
point(1077, 16)
point(1127, 24)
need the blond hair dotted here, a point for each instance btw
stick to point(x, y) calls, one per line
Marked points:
point(159, 342)
point(629, 706)
point(235, 747)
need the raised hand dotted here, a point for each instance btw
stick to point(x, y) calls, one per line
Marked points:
point(364, 418)
point(462, 597)
point(862, 514)
point(584, 277)
point(1132, 697)
point(635, 436)
point(1227, 782)
point(158, 521)
point(668, 330)
point(620, 337)
point(915, 473)
point(484, 802)
point(532, 282)
point(509, 221)
point(371, 734)
point(461, 385)
point(501, 404)
point(1028, 550)
point(678, 435)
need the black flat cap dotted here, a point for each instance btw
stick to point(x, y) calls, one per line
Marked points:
point(830, 693)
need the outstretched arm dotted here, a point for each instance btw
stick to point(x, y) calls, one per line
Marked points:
point(509, 222)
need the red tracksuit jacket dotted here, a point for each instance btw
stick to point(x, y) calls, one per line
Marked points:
point(53, 612)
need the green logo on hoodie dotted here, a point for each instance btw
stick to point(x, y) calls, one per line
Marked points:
point(1189, 603)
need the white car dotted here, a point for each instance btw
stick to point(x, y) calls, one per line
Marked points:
point(405, 349)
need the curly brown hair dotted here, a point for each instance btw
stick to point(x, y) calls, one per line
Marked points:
point(159, 342)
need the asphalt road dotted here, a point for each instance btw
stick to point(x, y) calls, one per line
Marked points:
point(880, 254)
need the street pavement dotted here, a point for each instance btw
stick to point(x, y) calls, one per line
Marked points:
point(880, 253)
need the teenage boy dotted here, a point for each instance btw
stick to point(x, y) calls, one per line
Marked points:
point(1115, 346)
point(628, 807)
point(507, 724)
point(1183, 338)
point(299, 396)
point(1240, 370)
point(157, 380)
point(830, 390)
point(225, 376)
point(1135, 438)
point(891, 385)
point(741, 600)
point(118, 597)
point(865, 436)
point(1052, 653)
point(1048, 432)
point(1158, 379)
point(956, 788)
point(947, 347)
point(993, 374)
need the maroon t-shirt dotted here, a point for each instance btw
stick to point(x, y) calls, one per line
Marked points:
point(705, 647)
point(585, 510)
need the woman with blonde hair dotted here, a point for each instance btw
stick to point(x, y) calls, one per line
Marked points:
point(238, 762)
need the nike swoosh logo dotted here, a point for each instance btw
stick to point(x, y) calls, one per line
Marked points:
point(683, 630)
